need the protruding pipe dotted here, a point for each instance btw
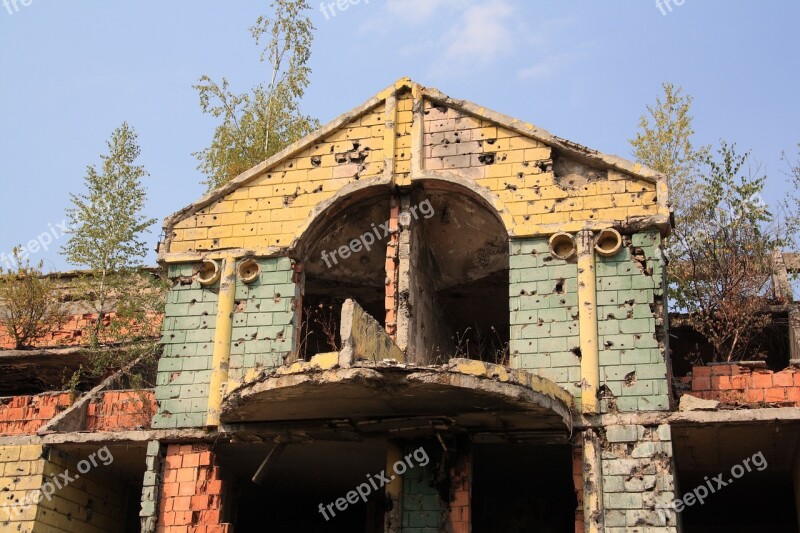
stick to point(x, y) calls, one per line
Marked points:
point(587, 316)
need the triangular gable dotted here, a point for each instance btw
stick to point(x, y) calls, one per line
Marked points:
point(538, 182)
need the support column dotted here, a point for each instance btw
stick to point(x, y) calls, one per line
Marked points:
point(460, 514)
point(593, 509)
point(403, 280)
point(222, 341)
point(150, 488)
point(587, 303)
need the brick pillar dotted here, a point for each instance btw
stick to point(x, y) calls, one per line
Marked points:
point(460, 514)
point(577, 480)
point(191, 492)
point(391, 270)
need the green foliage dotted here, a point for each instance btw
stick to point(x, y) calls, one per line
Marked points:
point(722, 264)
point(107, 225)
point(664, 143)
point(29, 303)
point(106, 221)
point(257, 125)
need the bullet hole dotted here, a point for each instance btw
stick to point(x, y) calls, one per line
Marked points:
point(318, 189)
point(316, 161)
point(487, 158)
point(544, 166)
point(610, 316)
point(520, 175)
point(511, 187)
point(491, 141)
point(559, 286)
point(576, 351)
point(630, 378)
point(608, 344)
point(440, 108)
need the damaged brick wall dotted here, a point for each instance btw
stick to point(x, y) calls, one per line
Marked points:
point(460, 514)
point(638, 474)
point(544, 314)
point(24, 415)
point(732, 384)
point(92, 503)
point(121, 410)
point(544, 321)
point(191, 497)
point(630, 324)
point(184, 370)
point(263, 320)
point(423, 509)
point(21, 471)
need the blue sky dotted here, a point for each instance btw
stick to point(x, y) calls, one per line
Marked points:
point(584, 70)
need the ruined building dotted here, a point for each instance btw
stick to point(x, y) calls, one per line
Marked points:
point(426, 316)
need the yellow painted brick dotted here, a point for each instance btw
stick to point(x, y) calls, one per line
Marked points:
point(269, 228)
point(540, 207)
point(404, 104)
point(499, 170)
point(256, 241)
point(297, 176)
point(220, 207)
point(598, 201)
point(289, 213)
point(403, 142)
point(245, 205)
point(238, 194)
point(254, 217)
point(267, 204)
point(9, 453)
point(180, 246)
point(376, 131)
point(643, 210)
point(639, 186)
point(404, 116)
point(187, 223)
point(402, 166)
point(553, 191)
point(626, 200)
point(570, 204)
point(231, 242)
point(538, 180)
point(617, 213)
point(193, 234)
point(372, 118)
point(519, 142)
point(555, 218)
point(230, 219)
point(517, 208)
point(512, 156)
point(537, 154)
point(319, 174)
point(610, 187)
point(242, 230)
point(486, 132)
point(261, 191)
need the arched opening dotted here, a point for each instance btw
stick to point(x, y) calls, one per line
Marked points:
point(342, 256)
point(458, 276)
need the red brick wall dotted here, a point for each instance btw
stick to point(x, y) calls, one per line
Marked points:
point(24, 415)
point(460, 515)
point(738, 385)
point(121, 410)
point(71, 333)
point(191, 492)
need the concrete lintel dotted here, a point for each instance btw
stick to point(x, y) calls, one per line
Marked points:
point(778, 415)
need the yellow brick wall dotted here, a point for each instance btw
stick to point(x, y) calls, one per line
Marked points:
point(21, 469)
point(516, 171)
point(515, 168)
point(92, 503)
point(268, 210)
point(24, 471)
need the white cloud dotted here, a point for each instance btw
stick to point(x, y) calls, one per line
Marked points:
point(546, 67)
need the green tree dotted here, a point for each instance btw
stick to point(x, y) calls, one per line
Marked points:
point(106, 238)
point(30, 308)
point(664, 143)
point(257, 125)
point(722, 263)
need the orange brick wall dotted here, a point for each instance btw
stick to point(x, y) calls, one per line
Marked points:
point(460, 516)
point(121, 410)
point(24, 415)
point(191, 492)
point(739, 385)
point(71, 332)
